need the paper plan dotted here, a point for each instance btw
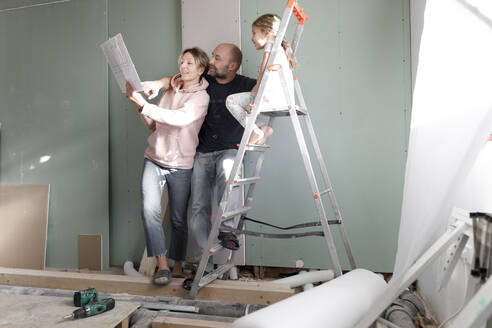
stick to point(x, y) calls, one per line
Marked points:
point(120, 62)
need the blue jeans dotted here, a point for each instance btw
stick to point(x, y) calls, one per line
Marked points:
point(209, 170)
point(154, 179)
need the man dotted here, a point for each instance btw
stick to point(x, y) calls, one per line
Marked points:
point(218, 139)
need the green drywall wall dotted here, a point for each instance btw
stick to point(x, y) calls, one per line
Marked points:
point(354, 70)
point(355, 74)
point(152, 33)
point(53, 91)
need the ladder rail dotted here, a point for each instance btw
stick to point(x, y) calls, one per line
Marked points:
point(311, 177)
point(297, 38)
point(324, 173)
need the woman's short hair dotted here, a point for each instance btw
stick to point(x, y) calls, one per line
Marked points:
point(200, 57)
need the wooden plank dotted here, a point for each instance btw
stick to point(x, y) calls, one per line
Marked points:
point(147, 264)
point(228, 291)
point(24, 219)
point(125, 323)
point(48, 311)
point(172, 322)
point(90, 252)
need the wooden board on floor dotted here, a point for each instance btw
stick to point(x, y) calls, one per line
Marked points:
point(90, 252)
point(48, 311)
point(227, 291)
point(23, 222)
point(147, 264)
point(171, 322)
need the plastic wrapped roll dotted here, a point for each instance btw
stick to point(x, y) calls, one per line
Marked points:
point(337, 303)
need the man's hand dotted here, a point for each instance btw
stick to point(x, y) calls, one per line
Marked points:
point(135, 96)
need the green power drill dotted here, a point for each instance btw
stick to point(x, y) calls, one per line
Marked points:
point(85, 296)
point(91, 309)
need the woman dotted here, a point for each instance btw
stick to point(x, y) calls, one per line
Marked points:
point(175, 123)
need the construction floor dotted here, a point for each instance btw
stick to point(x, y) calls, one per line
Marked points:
point(41, 298)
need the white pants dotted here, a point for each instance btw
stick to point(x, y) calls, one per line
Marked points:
point(237, 104)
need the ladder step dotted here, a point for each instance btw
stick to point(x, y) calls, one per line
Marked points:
point(324, 192)
point(235, 212)
point(238, 182)
point(215, 274)
point(283, 111)
point(274, 109)
point(257, 147)
point(216, 248)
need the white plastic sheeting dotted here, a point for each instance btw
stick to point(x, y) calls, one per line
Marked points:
point(451, 121)
point(337, 303)
point(476, 193)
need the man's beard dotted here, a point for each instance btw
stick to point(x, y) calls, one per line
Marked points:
point(215, 73)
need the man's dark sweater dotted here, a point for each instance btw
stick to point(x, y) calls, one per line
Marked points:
point(221, 130)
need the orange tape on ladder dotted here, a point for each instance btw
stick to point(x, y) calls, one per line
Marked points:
point(275, 67)
point(297, 11)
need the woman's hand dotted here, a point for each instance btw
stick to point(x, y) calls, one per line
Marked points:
point(152, 88)
point(135, 96)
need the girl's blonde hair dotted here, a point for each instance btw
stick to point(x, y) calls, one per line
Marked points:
point(270, 23)
point(200, 57)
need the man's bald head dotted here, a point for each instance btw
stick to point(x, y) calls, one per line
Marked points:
point(236, 56)
point(225, 61)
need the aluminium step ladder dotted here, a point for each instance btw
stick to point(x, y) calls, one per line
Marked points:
point(293, 111)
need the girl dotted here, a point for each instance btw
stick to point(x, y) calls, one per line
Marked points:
point(264, 30)
point(175, 124)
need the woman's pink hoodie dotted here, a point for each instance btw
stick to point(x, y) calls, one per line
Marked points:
point(175, 123)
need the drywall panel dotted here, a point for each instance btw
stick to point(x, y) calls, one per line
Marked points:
point(354, 70)
point(152, 34)
point(53, 109)
point(90, 252)
point(10, 5)
point(24, 219)
point(207, 23)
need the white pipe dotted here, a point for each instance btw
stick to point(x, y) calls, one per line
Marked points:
point(338, 303)
point(233, 273)
point(305, 277)
point(130, 270)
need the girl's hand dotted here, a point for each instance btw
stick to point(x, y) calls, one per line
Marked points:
point(251, 106)
point(135, 96)
point(255, 89)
